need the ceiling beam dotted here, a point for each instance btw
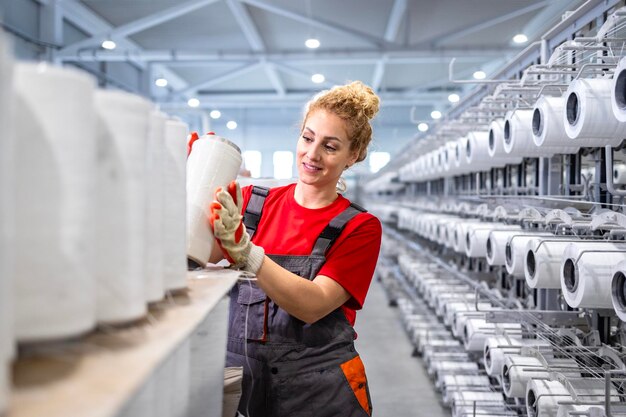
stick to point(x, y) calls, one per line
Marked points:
point(255, 40)
point(290, 100)
point(229, 75)
point(342, 56)
point(304, 74)
point(491, 22)
point(395, 19)
point(136, 26)
point(319, 23)
point(391, 32)
point(87, 21)
point(547, 17)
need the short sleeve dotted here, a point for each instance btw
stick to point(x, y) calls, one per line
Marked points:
point(352, 259)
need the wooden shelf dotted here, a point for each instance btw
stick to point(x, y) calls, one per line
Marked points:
point(98, 374)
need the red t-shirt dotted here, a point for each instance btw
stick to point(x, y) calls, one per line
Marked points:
point(287, 228)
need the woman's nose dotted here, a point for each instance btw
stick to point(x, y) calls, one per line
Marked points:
point(313, 152)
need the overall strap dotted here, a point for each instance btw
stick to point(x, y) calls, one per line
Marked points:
point(254, 209)
point(334, 229)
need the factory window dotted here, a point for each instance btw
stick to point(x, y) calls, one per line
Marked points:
point(378, 160)
point(283, 164)
point(252, 162)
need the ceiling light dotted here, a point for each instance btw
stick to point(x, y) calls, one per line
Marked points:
point(480, 75)
point(215, 114)
point(312, 43)
point(108, 44)
point(422, 127)
point(454, 98)
point(520, 38)
point(193, 102)
point(318, 78)
point(161, 82)
point(232, 125)
point(435, 114)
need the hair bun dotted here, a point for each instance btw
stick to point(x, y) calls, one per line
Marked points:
point(364, 97)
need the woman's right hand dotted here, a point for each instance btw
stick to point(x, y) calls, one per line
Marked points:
point(230, 232)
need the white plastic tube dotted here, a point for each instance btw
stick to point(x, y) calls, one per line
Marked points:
point(547, 126)
point(588, 116)
point(586, 273)
point(213, 162)
point(174, 209)
point(7, 219)
point(123, 122)
point(55, 202)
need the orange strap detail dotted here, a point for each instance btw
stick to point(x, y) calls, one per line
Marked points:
point(355, 374)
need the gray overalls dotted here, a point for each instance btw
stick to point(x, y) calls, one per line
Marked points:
point(292, 368)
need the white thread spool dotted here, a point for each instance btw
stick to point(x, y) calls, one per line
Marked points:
point(588, 116)
point(518, 135)
point(454, 383)
point(459, 235)
point(494, 351)
point(448, 158)
point(547, 126)
point(123, 125)
point(174, 209)
point(518, 370)
point(515, 255)
point(618, 92)
point(619, 174)
point(477, 235)
point(590, 410)
point(618, 289)
point(7, 219)
point(542, 265)
point(464, 401)
point(476, 332)
point(586, 273)
point(543, 396)
point(213, 162)
point(55, 166)
point(153, 256)
point(495, 248)
point(460, 160)
point(477, 151)
point(496, 145)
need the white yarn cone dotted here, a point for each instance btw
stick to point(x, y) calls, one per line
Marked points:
point(174, 208)
point(547, 126)
point(7, 219)
point(56, 160)
point(586, 273)
point(588, 116)
point(153, 256)
point(496, 145)
point(618, 91)
point(123, 123)
point(542, 262)
point(213, 162)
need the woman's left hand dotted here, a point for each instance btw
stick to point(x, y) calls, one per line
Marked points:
point(230, 232)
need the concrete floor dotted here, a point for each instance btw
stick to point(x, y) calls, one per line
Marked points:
point(399, 384)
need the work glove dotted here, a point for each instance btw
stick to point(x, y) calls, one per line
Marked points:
point(230, 232)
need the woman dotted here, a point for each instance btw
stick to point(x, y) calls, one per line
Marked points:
point(294, 336)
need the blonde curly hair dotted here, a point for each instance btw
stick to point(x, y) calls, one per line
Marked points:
point(356, 104)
